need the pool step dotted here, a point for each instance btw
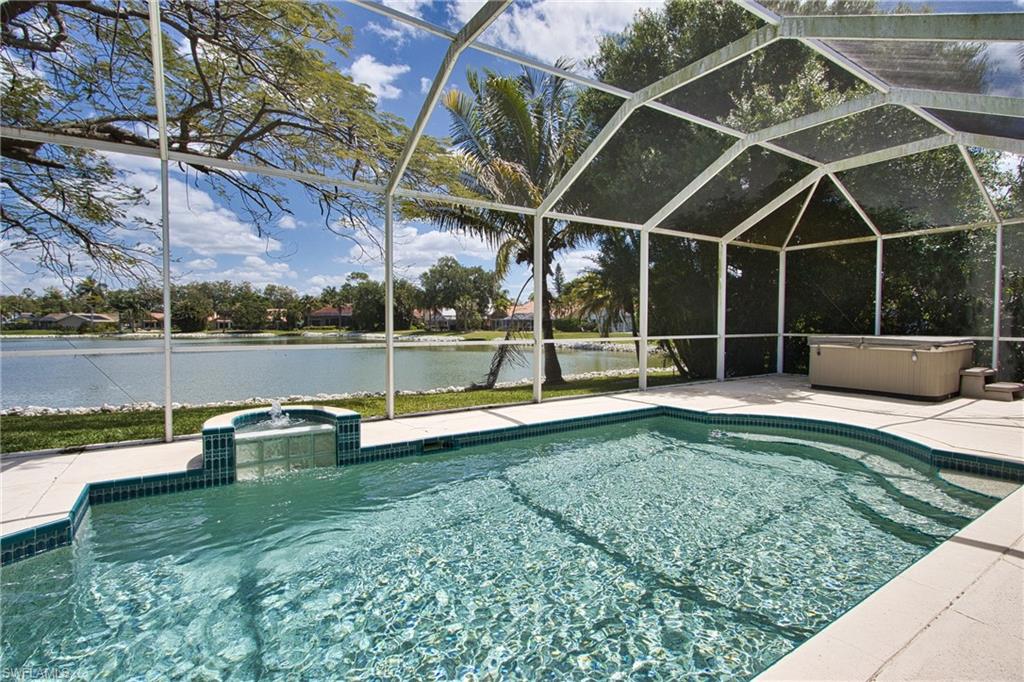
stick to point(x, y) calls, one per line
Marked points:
point(978, 382)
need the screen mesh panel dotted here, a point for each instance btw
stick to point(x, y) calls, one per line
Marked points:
point(829, 217)
point(939, 285)
point(868, 131)
point(831, 290)
point(752, 180)
point(931, 189)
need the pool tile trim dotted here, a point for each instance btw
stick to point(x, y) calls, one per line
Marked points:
point(219, 469)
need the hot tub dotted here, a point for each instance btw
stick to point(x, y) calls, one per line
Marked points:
point(918, 367)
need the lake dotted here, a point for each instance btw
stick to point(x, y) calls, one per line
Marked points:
point(289, 366)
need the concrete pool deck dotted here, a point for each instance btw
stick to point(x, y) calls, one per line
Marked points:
point(958, 613)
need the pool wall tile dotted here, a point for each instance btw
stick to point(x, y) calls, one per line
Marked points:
point(219, 460)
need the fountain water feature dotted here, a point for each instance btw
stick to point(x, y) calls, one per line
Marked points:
point(267, 442)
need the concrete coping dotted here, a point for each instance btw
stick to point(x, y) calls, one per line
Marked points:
point(227, 420)
point(283, 432)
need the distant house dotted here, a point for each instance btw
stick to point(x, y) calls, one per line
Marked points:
point(75, 321)
point(50, 320)
point(442, 319)
point(277, 317)
point(152, 321)
point(329, 316)
point(520, 317)
point(218, 322)
point(15, 318)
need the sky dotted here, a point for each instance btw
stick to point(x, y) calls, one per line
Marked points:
point(213, 240)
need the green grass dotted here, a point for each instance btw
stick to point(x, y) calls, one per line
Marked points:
point(18, 434)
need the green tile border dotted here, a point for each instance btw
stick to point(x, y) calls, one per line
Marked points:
point(219, 468)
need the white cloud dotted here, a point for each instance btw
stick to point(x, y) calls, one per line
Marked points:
point(575, 262)
point(412, 7)
point(425, 84)
point(288, 222)
point(379, 78)
point(19, 269)
point(317, 283)
point(198, 223)
point(257, 271)
point(396, 32)
point(201, 264)
point(549, 29)
point(416, 251)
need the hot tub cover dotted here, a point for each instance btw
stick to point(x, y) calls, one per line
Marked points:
point(918, 342)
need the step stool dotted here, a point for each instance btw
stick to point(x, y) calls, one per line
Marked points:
point(977, 382)
point(1004, 390)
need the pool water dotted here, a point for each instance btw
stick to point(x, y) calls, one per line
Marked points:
point(656, 548)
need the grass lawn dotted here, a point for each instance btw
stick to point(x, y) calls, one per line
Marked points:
point(67, 431)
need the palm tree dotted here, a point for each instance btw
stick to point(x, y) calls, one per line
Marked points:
point(609, 291)
point(514, 138)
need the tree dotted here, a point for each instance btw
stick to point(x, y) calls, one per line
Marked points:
point(467, 290)
point(609, 291)
point(131, 305)
point(368, 305)
point(255, 81)
point(407, 296)
point(190, 308)
point(514, 137)
point(90, 294)
point(558, 280)
point(248, 309)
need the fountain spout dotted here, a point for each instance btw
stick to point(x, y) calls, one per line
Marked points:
point(277, 416)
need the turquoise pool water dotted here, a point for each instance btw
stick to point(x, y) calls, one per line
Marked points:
point(657, 549)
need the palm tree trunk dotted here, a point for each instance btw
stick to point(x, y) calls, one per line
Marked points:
point(552, 367)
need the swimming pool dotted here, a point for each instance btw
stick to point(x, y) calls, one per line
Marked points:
point(657, 547)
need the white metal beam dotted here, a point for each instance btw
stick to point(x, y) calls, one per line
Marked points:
point(79, 142)
point(775, 203)
point(958, 101)
point(1003, 144)
point(890, 153)
point(156, 47)
point(878, 287)
point(800, 213)
point(979, 183)
point(817, 118)
point(780, 324)
point(1008, 26)
point(723, 274)
point(997, 297)
point(538, 307)
point(468, 202)
point(645, 276)
point(853, 202)
point(694, 186)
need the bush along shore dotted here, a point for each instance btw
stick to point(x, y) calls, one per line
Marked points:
point(38, 428)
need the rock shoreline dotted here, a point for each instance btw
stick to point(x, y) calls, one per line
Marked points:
point(39, 411)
